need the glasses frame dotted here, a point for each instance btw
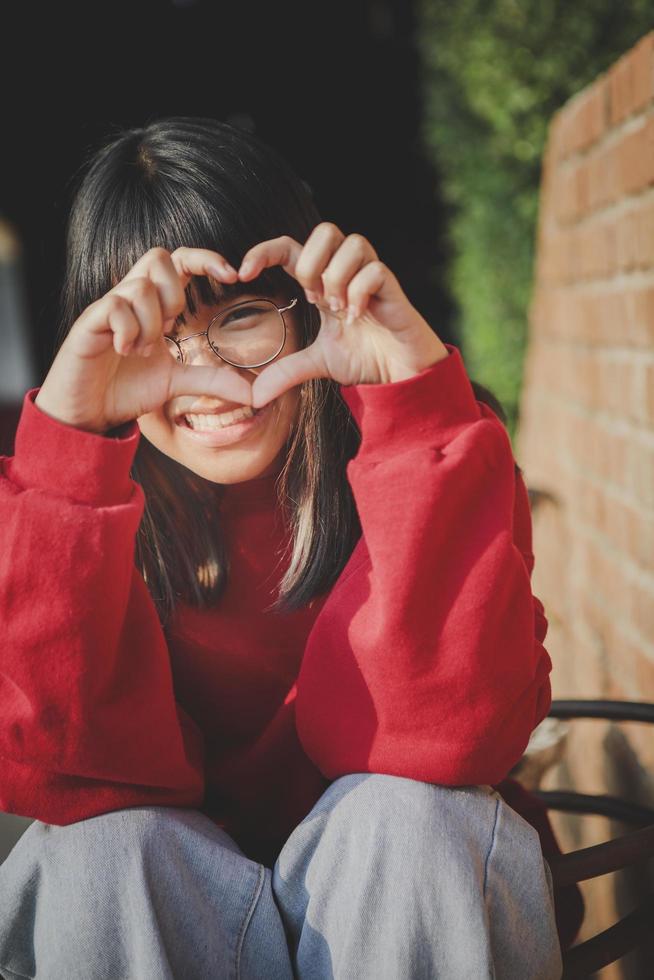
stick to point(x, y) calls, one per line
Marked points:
point(205, 333)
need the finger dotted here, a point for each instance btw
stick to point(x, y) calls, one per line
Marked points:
point(187, 379)
point(351, 256)
point(162, 272)
point(283, 251)
point(374, 279)
point(108, 319)
point(180, 258)
point(319, 249)
point(157, 267)
point(305, 263)
point(143, 296)
point(190, 262)
point(284, 374)
point(124, 325)
point(142, 264)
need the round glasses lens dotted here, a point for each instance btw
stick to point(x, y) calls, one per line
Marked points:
point(248, 334)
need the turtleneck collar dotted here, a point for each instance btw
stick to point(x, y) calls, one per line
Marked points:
point(248, 493)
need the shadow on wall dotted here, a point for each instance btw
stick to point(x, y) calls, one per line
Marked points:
point(17, 375)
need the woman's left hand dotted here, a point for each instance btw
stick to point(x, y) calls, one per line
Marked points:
point(382, 338)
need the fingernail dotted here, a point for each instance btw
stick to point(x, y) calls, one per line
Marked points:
point(147, 350)
point(311, 296)
point(335, 304)
point(245, 268)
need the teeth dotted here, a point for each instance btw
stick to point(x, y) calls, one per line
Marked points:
point(204, 421)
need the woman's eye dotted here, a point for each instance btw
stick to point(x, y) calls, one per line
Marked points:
point(240, 314)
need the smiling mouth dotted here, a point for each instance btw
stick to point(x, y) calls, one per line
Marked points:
point(216, 421)
point(209, 422)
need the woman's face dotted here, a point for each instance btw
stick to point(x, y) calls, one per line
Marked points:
point(238, 451)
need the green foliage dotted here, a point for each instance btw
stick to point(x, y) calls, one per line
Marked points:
point(493, 72)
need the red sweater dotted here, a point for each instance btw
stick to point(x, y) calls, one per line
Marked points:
point(425, 660)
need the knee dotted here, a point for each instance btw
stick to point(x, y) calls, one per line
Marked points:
point(452, 826)
point(56, 878)
point(410, 805)
point(406, 842)
point(90, 852)
point(116, 834)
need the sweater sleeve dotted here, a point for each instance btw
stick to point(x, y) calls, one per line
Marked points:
point(426, 660)
point(89, 719)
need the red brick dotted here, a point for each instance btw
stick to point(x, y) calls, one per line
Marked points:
point(644, 677)
point(633, 167)
point(586, 118)
point(646, 152)
point(630, 81)
point(618, 80)
point(627, 241)
point(643, 614)
point(564, 197)
point(618, 516)
point(642, 71)
point(648, 388)
point(640, 535)
point(598, 108)
point(639, 316)
point(645, 235)
point(644, 476)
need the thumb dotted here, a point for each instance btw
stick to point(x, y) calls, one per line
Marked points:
point(284, 374)
point(189, 379)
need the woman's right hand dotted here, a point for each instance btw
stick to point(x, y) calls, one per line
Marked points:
point(103, 375)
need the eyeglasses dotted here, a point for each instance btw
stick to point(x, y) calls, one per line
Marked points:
point(247, 334)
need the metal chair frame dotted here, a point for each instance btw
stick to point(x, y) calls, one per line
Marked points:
point(586, 958)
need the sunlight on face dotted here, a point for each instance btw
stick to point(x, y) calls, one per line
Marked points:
point(258, 448)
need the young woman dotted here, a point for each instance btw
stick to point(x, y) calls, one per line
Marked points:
point(270, 642)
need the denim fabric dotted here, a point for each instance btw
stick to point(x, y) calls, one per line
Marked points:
point(386, 878)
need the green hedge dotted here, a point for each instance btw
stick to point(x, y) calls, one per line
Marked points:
point(492, 74)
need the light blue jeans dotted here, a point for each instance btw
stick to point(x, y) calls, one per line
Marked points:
point(386, 878)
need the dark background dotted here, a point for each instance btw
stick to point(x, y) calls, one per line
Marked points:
point(334, 87)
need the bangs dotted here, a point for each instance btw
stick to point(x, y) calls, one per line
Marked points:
point(191, 195)
point(181, 217)
point(207, 291)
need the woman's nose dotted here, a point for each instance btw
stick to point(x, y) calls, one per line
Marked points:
point(200, 352)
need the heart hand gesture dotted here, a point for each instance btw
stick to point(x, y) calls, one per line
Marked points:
point(103, 374)
point(379, 338)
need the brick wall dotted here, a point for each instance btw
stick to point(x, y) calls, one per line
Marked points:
point(586, 437)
